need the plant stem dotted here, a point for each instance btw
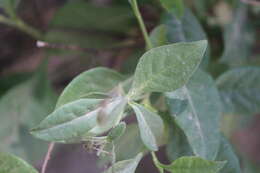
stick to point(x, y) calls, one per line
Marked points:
point(19, 24)
point(141, 23)
point(113, 157)
point(47, 157)
point(156, 163)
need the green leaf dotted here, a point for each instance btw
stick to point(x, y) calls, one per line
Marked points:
point(117, 131)
point(226, 153)
point(95, 80)
point(131, 138)
point(23, 107)
point(75, 121)
point(125, 166)
point(200, 121)
point(238, 38)
point(69, 122)
point(150, 126)
point(12, 164)
point(185, 29)
point(158, 36)
point(92, 17)
point(194, 165)
point(9, 4)
point(175, 6)
point(178, 144)
point(167, 68)
point(83, 39)
point(109, 115)
point(239, 89)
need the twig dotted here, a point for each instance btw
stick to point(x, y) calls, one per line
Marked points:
point(47, 157)
point(19, 24)
point(141, 23)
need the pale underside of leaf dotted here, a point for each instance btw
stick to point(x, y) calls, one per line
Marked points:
point(150, 126)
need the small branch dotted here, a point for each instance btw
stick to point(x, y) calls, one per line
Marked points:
point(19, 24)
point(141, 23)
point(156, 163)
point(252, 2)
point(47, 157)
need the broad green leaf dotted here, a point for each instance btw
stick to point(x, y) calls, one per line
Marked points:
point(200, 121)
point(125, 166)
point(194, 165)
point(131, 138)
point(167, 68)
point(150, 126)
point(158, 36)
point(117, 131)
point(95, 80)
point(12, 164)
point(21, 108)
point(238, 38)
point(92, 17)
point(178, 144)
point(226, 153)
point(175, 6)
point(240, 90)
point(69, 122)
point(185, 29)
point(75, 121)
point(203, 6)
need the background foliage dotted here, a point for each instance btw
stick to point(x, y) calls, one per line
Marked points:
point(208, 115)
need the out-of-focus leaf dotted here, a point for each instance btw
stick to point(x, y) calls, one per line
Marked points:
point(9, 4)
point(250, 167)
point(192, 164)
point(240, 90)
point(185, 29)
point(125, 166)
point(7, 82)
point(200, 121)
point(83, 15)
point(21, 108)
point(226, 153)
point(238, 38)
point(150, 125)
point(13, 164)
point(95, 80)
point(82, 39)
point(167, 68)
point(158, 36)
point(174, 6)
